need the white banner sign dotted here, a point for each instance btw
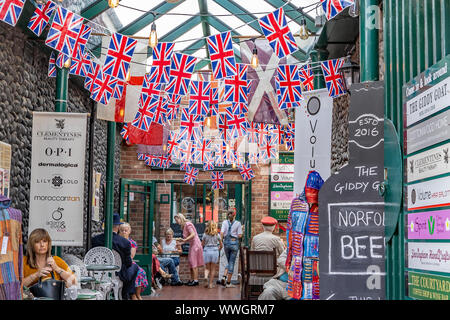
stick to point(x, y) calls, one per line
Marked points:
point(57, 176)
point(429, 194)
point(313, 137)
point(429, 163)
point(431, 256)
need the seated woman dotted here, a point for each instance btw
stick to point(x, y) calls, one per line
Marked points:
point(156, 268)
point(169, 245)
point(39, 263)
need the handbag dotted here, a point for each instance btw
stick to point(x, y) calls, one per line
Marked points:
point(50, 288)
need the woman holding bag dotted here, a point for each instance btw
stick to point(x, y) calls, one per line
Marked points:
point(39, 263)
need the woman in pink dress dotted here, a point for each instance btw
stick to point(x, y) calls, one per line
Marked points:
point(195, 255)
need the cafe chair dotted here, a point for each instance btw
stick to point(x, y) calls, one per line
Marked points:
point(83, 293)
point(258, 268)
point(84, 280)
point(117, 283)
point(101, 255)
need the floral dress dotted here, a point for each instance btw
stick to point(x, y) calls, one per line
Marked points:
point(141, 279)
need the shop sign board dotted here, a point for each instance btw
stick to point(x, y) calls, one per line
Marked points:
point(428, 132)
point(5, 168)
point(428, 93)
point(352, 218)
point(57, 176)
point(428, 194)
point(429, 256)
point(429, 225)
point(313, 137)
point(429, 163)
point(281, 186)
point(424, 286)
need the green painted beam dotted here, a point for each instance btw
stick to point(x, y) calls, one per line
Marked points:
point(291, 11)
point(181, 29)
point(369, 42)
point(205, 25)
point(94, 9)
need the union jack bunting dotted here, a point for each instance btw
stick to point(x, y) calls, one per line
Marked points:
point(333, 7)
point(289, 83)
point(220, 153)
point(52, 65)
point(239, 158)
point(253, 157)
point(237, 123)
point(289, 129)
point(276, 131)
point(61, 59)
point(161, 60)
point(173, 103)
point(118, 89)
point(252, 132)
point(246, 171)
point(236, 88)
point(268, 149)
point(214, 101)
point(167, 162)
point(159, 107)
point(150, 87)
point(184, 166)
point(290, 143)
point(202, 151)
point(263, 131)
point(276, 31)
point(238, 108)
point(92, 75)
point(217, 180)
point(156, 161)
point(181, 69)
point(230, 155)
point(81, 64)
point(225, 130)
point(190, 126)
point(148, 159)
point(41, 17)
point(208, 165)
point(191, 175)
point(333, 78)
point(306, 77)
point(186, 149)
point(199, 97)
point(124, 133)
point(118, 56)
point(10, 11)
point(144, 115)
point(172, 145)
point(81, 40)
point(221, 54)
point(64, 31)
point(103, 88)
point(140, 156)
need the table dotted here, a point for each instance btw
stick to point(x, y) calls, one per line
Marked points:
point(103, 268)
point(168, 255)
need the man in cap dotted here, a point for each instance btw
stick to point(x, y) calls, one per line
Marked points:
point(266, 240)
point(129, 270)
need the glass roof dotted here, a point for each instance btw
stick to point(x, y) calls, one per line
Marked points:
point(182, 20)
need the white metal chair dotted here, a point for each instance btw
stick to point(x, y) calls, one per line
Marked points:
point(118, 284)
point(80, 291)
point(101, 255)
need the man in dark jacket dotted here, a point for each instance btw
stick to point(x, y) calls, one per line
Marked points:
point(129, 270)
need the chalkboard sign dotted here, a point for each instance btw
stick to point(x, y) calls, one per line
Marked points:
point(351, 219)
point(178, 233)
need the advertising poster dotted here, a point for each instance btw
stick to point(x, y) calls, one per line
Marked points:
point(281, 186)
point(57, 176)
point(430, 256)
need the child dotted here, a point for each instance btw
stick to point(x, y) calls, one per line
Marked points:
point(212, 244)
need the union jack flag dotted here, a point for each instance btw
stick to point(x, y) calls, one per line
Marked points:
point(238, 108)
point(220, 153)
point(221, 54)
point(148, 158)
point(202, 151)
point(278, 133)
point(150, 87)
point(140, 156)
point(184, 166)
point(61, 60)
point(252, 132)
point(144, 115)
point(289, 130)
point(159, 107)
point(191, 175)
point(173, 104)
point(239, 158)
point(225, 129)
point(230, 155)
point(333, 78)
point(181, 69)
point(118, 56)
point(64, 31)
point(82, 39)
point(290, 143)
point(118, 89)
point(81, 64)
point(161, 60)
point(52, 65)
point(306, 77)
point(333, 7)
point(41, 17)
point(236, 88)
point(253, 157)
point(237, 123)
point(199, 97)
point(246, 171)
point(167, 162)
point(155, 161)
point(276, 31)
point(10, 11)
point(172, 145)
point(190, 126)
point(263, 131)
point(214, 101)
point(268, 149)
point(186, 149)
point(208, 165)
point(124, 133)
point(289, 82)
point(92, 75)
point(103, 88)
point(217, 180)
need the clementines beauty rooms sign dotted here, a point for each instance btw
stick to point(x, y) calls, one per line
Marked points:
point(57, 176)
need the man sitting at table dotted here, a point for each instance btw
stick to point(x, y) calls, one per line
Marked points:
point(129, 270)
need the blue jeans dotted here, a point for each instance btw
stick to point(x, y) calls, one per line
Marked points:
point(231, 248)
point(169, 266)
point(176, 260)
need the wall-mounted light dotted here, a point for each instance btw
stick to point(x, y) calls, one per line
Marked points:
point(67, 63)
point(354, 9)
point(350, 73)
point(303, 32)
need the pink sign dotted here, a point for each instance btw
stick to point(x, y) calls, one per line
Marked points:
point(429, 225)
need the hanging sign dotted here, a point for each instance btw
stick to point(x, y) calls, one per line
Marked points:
point(430, 256)
point(428, 93)
point(430, 225)
point(313, 141)
point(351, 211)
point(429, 163)
point(57, 176)
point(5, 168)
point(428, 286)
point(281, 186)
point(429, 194)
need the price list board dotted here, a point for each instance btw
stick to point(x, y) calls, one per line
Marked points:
point(281, 186)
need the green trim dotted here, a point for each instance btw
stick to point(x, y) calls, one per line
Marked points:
point(94, 9)
point(294, 15)
point(111, 141)
point(369, 43)
point(62, 85)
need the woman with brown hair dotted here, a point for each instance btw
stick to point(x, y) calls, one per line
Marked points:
point(39, 262)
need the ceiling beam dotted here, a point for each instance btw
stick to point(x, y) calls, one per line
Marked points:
point(94, 9)
point(205, 25)
point(292, 12)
